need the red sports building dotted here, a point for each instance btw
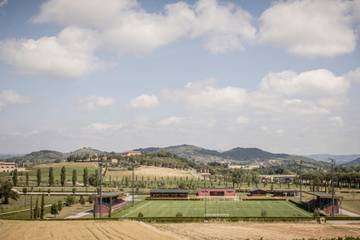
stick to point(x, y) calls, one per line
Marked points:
point(216, 192)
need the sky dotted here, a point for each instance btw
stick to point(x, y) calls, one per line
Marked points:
point(283, 76)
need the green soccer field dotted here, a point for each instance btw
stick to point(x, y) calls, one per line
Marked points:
point(214, 208)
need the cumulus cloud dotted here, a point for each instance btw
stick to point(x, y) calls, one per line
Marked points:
point(126, 27)
point(3, 3)
point(101, 127)
point(242, 120)
point(337, 120)
point(11, 97)
point(91, 103)
point(207, 94)
point(310, 28)
point(69, 54)
point(144, 101)
point(354, 75)
point(170, 121)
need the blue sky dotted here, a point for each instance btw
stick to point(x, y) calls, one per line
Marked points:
point(280, 75)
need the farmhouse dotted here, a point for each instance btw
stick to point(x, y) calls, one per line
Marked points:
point(323, 202)
point(109, 200)
point(278, 178)
point(169, 194)
point(8, 166)
point(216, 192)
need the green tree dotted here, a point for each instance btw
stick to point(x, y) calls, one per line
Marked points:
point(63, 176)
point(54, 209)
point(74, 177)
point(51, 176)
point(6, 193)
point(15, 177)
point(85, 176)
point(36, 209)
point(60, 205)
point(38, 177)
point(82, 200)
point(42, 206)
point(27, 179)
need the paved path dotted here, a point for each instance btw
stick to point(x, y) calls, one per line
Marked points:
point(348, 213)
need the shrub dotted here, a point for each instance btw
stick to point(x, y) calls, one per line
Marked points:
point(54, 209)
point(140, 215)
point(263, 213)
point(179, 214)
point(60, 205)
point(90, 199)
point(82, 200)
point(69, 200)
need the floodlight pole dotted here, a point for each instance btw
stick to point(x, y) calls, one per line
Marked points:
point(301, 181)
point(132, 183)
point(332, 187)
point(101, 182)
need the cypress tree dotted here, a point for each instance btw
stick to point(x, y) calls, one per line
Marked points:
point(63, 176)
point(42, 207)
point(85, 177)
point(15, 177)
point(38, 176)
point(27, 179)
point(51, 176)
point(74, 177)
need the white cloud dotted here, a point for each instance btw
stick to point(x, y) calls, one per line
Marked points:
point(11, 97)
point(170, 121)
point(207, 94)
point(126, 27)
point(69, 54)
point(337, 120)
point(3, 3)
point(242, 120)
point(354, 75)
point(101, 127)
point(320, 82)
point(309, 28)
point(91, 103)
point(144, 101)
point(224, 25)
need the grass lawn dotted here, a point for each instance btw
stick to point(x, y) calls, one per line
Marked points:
point(220, 208)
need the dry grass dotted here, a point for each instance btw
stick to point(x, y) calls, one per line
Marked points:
point(246, 230)
point(148, 171)
point(87, 230)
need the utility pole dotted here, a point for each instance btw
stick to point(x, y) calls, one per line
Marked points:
point(332, 187)
point(101, 182)
point(301, 181)
point(132, 183)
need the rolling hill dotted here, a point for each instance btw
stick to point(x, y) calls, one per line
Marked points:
point(237, 155)
point(340, 159)
point(353, 163)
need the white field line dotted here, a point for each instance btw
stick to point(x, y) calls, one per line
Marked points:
point(138, 208)
point(297, 209)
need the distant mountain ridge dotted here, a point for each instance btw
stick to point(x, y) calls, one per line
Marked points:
point(240, 155)
point(353, 163)
point(48, 156)
point(340, 159)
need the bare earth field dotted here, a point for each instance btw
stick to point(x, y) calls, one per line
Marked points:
point(247, 230)
point(73, 230)
point(54, 230)
point(149, 171)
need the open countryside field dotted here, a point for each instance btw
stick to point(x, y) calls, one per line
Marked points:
point(149, 171)
point(126, 230)
point(89, 230)
point(214, 208)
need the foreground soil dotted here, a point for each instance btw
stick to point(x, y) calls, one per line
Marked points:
point(246, 230)
point(126, 230)
point(89, 230)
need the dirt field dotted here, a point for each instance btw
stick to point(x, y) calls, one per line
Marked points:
point(126, 230)
point(152, 172)
point(246, 230)
point(76, 230)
